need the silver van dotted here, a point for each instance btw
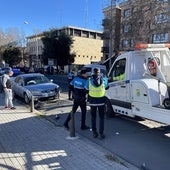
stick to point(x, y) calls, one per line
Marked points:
point(91, 67)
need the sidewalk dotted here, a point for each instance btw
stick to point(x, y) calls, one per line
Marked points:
point(29, 142)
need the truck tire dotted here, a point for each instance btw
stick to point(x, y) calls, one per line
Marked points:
point(166, 103)
point(108, 109)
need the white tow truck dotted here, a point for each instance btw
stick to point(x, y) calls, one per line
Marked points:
point(140, 83)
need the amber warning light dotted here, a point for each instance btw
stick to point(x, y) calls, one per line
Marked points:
point(143, 46)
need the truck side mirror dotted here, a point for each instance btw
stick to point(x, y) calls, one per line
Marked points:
point(110, 79)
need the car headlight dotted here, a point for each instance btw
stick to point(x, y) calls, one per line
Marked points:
point(58, 89)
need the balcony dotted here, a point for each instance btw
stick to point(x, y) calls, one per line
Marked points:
point(106, 23)
point(106, 35)
point(105, 50)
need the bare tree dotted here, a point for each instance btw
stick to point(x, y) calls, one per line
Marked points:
point(12, 37)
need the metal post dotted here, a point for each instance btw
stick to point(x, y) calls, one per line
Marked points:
point(37, 52)
point(71, 125)
point(32, 104)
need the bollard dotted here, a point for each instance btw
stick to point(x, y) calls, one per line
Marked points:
point(32, 104)
point(71, 125)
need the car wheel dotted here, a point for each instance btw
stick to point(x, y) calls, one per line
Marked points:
point(26, 98)
point(108, 109)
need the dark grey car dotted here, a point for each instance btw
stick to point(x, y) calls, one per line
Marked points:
point(35, 84)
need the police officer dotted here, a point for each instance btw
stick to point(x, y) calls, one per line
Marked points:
point(70, 77)
point(79, 85)
point(96, 86)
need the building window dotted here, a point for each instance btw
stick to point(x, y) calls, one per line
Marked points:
point(160, 38)
point(71, 32)
point(77, 33)
point(99, 36)
point(85, 34)
point(163, 0)
point(106, 56)
point(125, 43)
point(161, 18)
point(126, 28)
point(92, 35)
point(127, 13)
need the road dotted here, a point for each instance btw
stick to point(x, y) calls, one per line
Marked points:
point(142, 143)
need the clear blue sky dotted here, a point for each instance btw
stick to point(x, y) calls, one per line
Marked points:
point(45, 14)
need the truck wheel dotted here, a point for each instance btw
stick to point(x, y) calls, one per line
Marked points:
point(166, 103)
point(108, 109)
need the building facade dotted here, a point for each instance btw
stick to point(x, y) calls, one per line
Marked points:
point(140, 21)
point(35, 50)
point(86, 45)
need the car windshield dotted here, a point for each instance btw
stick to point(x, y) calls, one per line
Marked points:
point(35, 80)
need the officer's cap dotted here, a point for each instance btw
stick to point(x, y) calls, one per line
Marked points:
point(96, 70)
point(83, 71)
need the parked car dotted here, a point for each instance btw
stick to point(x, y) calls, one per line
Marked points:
point(16, 71)
point(4, 70)
point(34, 84)
point(1, 71)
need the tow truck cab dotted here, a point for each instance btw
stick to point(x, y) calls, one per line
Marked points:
point(140, 79)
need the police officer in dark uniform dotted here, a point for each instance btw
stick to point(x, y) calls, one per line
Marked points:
point(79, 83)
point(70, 77)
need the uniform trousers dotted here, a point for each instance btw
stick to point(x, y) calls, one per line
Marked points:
point(76, 104)
point(70, 91)
point(101, 118)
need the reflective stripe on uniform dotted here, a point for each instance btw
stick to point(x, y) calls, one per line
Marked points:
point(100, 104)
